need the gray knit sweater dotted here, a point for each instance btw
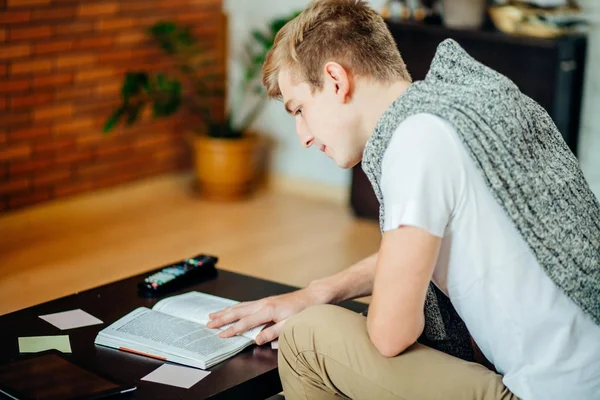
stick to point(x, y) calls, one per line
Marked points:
point(527, 167)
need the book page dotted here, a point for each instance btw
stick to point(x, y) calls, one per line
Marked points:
point(170, 334)
point(195, 306)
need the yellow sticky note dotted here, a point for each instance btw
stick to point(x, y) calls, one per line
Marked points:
point(34, 344)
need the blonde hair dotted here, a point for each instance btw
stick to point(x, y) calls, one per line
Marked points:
point(348, 32)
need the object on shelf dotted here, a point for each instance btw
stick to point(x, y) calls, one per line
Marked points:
point(539, 3)
point(395, 10)
point(463, 14)
point(416, 10)
point(520, 18)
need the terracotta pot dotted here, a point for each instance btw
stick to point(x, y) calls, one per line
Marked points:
point(226, 169)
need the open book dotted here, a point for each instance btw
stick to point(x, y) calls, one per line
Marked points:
point(175, 330)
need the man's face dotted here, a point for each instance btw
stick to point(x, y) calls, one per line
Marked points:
point(325, 119)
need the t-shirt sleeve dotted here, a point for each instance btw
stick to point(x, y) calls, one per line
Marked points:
point(422, 175)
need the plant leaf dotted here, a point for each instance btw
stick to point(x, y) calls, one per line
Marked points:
point(184, 37)
point(132, 114)
point(128, 86)
point(163, 28)
point(259, 59)
point(163, 32)
point(172, 105)
point(133, 84)
point(158, 109)
point(260, 37)
point(161, 82)
point(142, 79)
point(113, 119)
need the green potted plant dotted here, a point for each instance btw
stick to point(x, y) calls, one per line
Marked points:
point(226, 152)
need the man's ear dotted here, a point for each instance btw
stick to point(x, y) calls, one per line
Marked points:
point(338, 79)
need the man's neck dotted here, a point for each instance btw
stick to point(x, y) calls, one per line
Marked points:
point(375, 100)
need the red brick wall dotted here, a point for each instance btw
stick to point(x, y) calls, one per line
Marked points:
point(61, 65)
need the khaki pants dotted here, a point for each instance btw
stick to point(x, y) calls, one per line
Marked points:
point(325, 352)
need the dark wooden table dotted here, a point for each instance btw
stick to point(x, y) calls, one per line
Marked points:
point(252, 374)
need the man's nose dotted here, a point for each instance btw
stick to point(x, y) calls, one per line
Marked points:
point(305, 138)
point(307, 141)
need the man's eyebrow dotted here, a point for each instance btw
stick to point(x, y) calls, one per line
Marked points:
point(288, 107)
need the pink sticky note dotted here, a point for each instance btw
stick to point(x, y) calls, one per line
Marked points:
point(71, 319)
point(175, 375)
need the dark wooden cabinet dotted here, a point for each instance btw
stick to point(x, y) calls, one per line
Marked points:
point(550, 71)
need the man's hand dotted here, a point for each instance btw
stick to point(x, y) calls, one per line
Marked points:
point(356, 281)
point(275, 309)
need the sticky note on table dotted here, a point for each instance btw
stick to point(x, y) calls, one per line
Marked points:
point(34, 344)
point(174, 375)
point(71, 319)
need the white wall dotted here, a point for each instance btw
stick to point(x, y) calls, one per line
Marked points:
point(292, 160)
point(589, 134)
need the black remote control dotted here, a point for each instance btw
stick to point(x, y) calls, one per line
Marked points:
point(178, 275)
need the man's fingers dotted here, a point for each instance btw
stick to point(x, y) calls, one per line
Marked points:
point(263, 316)
point(219, 314)
point(227, 318)
point(248, 322)
point(270, 334)
point(227, 333)
point(230, 315)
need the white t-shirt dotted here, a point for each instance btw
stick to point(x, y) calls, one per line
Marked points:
point(543, 344)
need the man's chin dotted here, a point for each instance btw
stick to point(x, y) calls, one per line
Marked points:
point(347, 164)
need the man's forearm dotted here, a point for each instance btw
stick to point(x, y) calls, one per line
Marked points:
point(355, 281)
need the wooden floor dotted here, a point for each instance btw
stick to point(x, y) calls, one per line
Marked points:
point(61, 248)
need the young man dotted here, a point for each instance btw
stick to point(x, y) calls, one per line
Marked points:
point(479, 195)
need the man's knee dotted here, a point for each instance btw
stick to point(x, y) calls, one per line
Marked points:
point(310, 331)
point(303, 337)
